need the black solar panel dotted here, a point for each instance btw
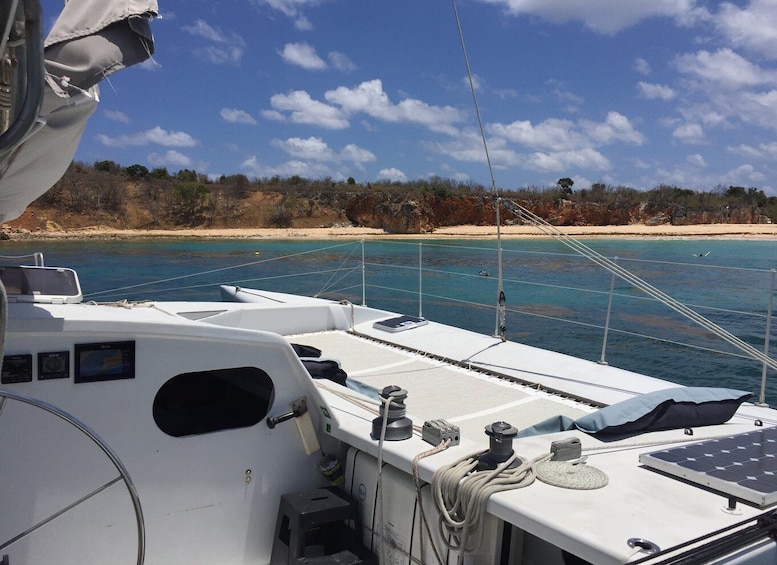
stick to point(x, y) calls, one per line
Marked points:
point(741, 465)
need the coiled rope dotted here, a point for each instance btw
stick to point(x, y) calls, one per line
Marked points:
point(461, 495)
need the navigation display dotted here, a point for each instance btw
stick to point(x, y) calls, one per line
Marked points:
point(106, 361)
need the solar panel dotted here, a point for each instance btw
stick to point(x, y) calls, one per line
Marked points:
point(741, 465)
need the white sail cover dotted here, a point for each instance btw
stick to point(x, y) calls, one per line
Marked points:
point(90, 40)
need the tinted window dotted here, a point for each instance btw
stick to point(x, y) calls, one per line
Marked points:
point(208, 401)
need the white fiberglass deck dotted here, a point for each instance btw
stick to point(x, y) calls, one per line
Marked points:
point(593, 524)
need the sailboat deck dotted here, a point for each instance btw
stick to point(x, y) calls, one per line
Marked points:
point(594, 524)
point(438, 389)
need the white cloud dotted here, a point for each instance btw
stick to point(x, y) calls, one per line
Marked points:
point(273, 115)
point(227, 48)
point(763, 151)
point(565, 135)
point(724, 68)
point(468, 147)
point(392, 174)
point(369, 98)
point(603, 16)
point(341, 62)
point(291, 9)
point(752, 27)
point(235, 116)
point(116, 116)
point(315, 149)
point(586, 158)
point(692, 134)
point(303, 55)
point(616, 127)
point(310, 170)
point(202, 29)
point(302, 109)
point(312, 148)
point(652, 91)
point(642, 66)
point(170, 158)
point(696, 160)
point(743, 175)
point(155, 135)
point(356, 154)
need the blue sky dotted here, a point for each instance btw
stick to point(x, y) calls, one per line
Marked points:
point(625, 92)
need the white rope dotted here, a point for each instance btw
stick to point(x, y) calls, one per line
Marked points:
point(425, 529)
point(461, 495)
point(384, 425)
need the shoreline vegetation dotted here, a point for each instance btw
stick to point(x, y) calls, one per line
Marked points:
point(109, 201)
point(733, 231)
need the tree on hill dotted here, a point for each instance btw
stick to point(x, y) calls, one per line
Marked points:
point(565, 185)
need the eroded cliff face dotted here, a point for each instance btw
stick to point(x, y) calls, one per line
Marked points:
point(422, 214)
point(393, 211)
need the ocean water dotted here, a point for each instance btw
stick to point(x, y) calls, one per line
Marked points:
point(554, 298)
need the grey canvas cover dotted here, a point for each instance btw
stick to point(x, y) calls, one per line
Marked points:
point(90, 40)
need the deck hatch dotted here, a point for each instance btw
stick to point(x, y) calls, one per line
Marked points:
point(740, 465)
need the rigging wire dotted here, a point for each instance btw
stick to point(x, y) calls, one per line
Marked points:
point(639, 283)
point(500, 329)
point(219, 270)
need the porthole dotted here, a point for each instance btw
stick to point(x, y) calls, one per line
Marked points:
point(209, 401)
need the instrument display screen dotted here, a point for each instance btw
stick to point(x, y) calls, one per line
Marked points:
point(107, 361)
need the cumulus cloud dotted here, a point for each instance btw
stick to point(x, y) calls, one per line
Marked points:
point(341, 62)
point(316, 149)
point(689, 133)
point(604, 16)
point(752, 27)
point(642, 66)
point(153, 136)
point(312, 148)
point(696, 160)
point(392, 174)
point(762, 151)
point(225, 48)
point(724, 68)
point(235, 116)
point(585, 158)
point(170, 158)
point(356, 154)
point(306, 169)
point(298, 107)
point(303, 55)
point(564, 135)
point(655, 91)
point(369, 98)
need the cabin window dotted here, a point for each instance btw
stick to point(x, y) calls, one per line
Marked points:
point(209, 401)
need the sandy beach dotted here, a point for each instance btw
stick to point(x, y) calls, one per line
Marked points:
point(754, 231)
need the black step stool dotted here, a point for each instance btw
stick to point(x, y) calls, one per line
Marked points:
point(313, 525)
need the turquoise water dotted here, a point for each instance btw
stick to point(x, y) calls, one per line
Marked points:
point(555, 299)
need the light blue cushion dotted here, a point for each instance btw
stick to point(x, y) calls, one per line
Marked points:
point(672, 408)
